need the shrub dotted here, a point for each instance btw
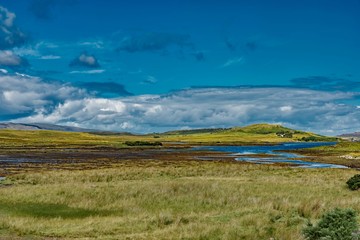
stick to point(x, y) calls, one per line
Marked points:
point(354, 182)
point(142, 143)
point(338, 224)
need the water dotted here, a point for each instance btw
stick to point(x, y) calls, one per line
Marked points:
point(18, 161)
point(245, 154)
point(2, 178)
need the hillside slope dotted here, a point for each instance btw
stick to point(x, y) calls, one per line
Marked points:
point(42, 126)
point(256, 133)
point(253, 134)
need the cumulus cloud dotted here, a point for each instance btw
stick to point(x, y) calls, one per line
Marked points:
point(25, 95)
point(10, 59)
point(10, 35)
point(210, 107)
point(85, 60)
point(154, 41)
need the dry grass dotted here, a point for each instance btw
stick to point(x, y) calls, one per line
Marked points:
point(178, 200)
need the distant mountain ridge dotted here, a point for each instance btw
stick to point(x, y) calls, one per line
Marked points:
point(355, 134)
point(255, 129)
point(43, 126)
point(260, 128)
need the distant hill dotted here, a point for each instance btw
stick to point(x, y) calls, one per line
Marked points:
point(262, 128)
point(252, 133)
point(354, 137)
point(349, 135)
point(195, 131)
point(54, 127)
point(42, 126)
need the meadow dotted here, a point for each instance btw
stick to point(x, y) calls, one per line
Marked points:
point(253, 134)
point(172, 200)
point(97, 187)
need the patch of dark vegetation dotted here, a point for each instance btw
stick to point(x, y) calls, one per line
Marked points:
point(339, 224)
point(143, 143)
point(319, 139)
point(44, 210)
point(196, 131)
point(354, 182)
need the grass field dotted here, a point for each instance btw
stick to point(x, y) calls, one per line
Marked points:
point(171, 200)
point(258, 133)
point(342, 148)
point(114, 191)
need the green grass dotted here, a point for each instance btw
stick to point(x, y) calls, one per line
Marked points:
point(341, 148)
point(172, 200)
point(259, 133)
point(16, 138)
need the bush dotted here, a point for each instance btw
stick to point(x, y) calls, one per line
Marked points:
point(354, 182)
point(142, 143)
point(339, 224)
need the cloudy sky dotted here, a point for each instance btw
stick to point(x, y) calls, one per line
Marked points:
point(152, 66)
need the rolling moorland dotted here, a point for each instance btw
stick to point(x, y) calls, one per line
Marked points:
point(75, 185)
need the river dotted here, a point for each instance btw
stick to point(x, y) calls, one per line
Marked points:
point(273, 153)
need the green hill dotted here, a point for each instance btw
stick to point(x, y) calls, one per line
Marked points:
point(253, 134)
point(256, 133)
point(264, 128)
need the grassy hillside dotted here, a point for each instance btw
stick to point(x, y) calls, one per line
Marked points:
point(259, 133)
point(178, 200)
point(46, 138)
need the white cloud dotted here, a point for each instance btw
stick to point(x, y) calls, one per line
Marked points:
point(150, 80)
point(94, 44)
point(50, 57)
point(23, 94)
point(85, 60)
point(10, 35)
point(286, 108)
point(8, 58)
point(7, 17)
point(233, 61)
point(96, 71)
point(209, 107)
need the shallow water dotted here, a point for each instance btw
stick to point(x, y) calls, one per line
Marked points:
point(18, 161)
point(245, 154)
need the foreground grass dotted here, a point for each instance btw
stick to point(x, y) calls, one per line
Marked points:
point(172, 200)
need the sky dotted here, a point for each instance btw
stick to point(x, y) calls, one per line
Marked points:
point(153, 66)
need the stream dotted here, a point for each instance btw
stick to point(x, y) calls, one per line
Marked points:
point(274, 154)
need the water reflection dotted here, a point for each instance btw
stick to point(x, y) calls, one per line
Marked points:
point(271, 154)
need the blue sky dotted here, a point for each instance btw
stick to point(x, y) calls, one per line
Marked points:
point(119, 65)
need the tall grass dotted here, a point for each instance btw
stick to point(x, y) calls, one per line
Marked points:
point(177, 200)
